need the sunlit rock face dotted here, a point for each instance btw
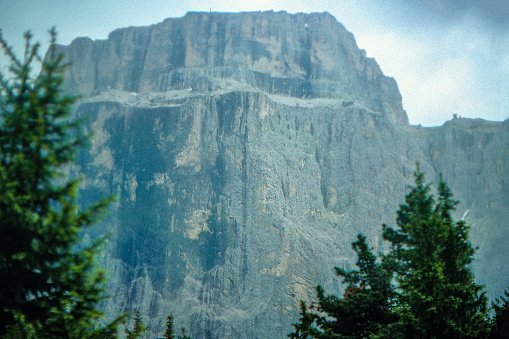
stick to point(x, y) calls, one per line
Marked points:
point(246, 152)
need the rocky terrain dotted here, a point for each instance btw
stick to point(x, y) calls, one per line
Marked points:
point(246, 152)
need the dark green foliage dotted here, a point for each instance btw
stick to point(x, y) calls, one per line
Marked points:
point(365, 306)
point(500, 322)
point(48, 288)
point(367, 302)
point(422, 288)
point(430, 254)
point(139, 327)
point(305, 328)
point(170, 333)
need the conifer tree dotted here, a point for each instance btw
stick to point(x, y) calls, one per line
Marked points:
point(306, 326)
point(367, 302)
point(500, 322)
point(430, 254)
point(170, 333)
point(365, 306)
point(422, 288)
point(139, 327)
point(50, 284)
point(183, 334)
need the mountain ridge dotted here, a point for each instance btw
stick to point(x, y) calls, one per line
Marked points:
point(260, 49)
point(240, 188)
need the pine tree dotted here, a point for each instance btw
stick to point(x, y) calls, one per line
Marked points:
point(170, 333)
point(422, 288)
point(305, 327)
point(500, 322)
point(365, 306)
point(430, 255)
point(139, 327)
point(183, 334)
point(50, 284)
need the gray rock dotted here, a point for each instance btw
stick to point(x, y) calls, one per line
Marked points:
point(241, 177)
point(302, 55)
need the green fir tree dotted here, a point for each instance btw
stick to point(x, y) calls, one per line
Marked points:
point(183, 334)
point(50, 283)
point(170, 333)
point(430, 255)
point(422, 288)
point(306, 327)
point(365, 306)
point(500, 322)
point(139, 327)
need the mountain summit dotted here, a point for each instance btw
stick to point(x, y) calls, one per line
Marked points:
point(299, 55)
point(247, 151)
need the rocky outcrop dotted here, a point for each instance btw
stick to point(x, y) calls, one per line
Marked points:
point(301, 55)
point(242, 176)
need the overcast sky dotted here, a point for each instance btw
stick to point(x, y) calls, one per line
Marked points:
point(448, 56)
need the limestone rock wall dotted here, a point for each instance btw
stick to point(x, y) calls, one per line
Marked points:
point(226, 204)
point(301, 55)
point(233, 206)
point(242, 175)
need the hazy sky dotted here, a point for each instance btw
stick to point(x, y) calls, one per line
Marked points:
point(448, 56)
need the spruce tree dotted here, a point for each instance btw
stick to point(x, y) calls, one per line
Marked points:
point(430, 255)
point(422, 288)
point(500, 322)
point(139, 327)
point(183, 334)
point(169, 333)
point(50, 284)
point(306, 326)
point(365, 306)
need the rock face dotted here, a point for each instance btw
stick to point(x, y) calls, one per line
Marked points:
point(247, 151)
point(301, 55)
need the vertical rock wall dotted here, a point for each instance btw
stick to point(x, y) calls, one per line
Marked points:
point(246, 152)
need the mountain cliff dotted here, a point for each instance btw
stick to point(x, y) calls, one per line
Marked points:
point(247, 150)
point(301, 55)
